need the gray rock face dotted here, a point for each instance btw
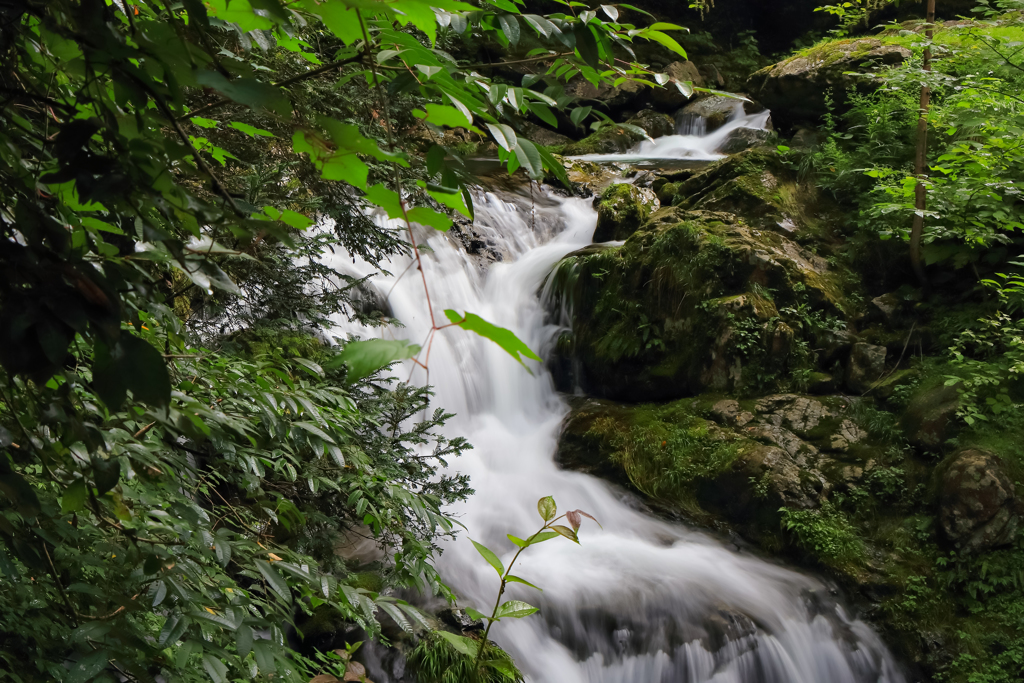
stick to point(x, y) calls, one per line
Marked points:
point(978, 507)
point(744, 138)
point(655, 123)
point(930, 419)
point(795, 89)
point(866, 365)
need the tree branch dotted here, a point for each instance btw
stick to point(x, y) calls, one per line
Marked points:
point(280, 84)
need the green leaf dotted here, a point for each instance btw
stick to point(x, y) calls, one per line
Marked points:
point(74, 497)
point(518, 541)
point(367, 357)
point(449, 197)
point(387, 199)
point(510, 27)
point(529, 159)
point(243, 640)
point(579, 113)
point(86, 668)
point(667, 41)
point(543, 112)
point(427, 216)
point(567, 532)
point(204, 123)
point(663, 26)
point(547, 508)
point(131, 364)
point(252, 131)
point(512, 578)
point(276, 581)
point(516, 609)
point(504, 338)
point(503, 135)
point(476, 614)
point(464, 645)
point(443, 115)
point(586, 45)
point(215, 668)
point(248, 91)
point(491, 558)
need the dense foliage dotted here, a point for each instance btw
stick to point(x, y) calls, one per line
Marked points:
point(181, 455)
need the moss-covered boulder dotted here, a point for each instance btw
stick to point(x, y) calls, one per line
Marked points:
point(758, 186)
point(655, 123)
point(692, 302)
point(621, 209)
point(608, 140)
point(795, 89)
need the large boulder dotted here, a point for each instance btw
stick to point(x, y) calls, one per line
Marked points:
point(610, 139)
point(680, 307)
point(621, 209)
point(978, 506)
point(654, 123)
point(795, 89)
point(865, 367)
point(930, 419)
point(744, 138)
point(670, 97)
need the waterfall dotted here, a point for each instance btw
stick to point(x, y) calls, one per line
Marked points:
point(640, 600)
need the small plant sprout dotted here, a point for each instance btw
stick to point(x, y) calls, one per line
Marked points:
point(516, 609)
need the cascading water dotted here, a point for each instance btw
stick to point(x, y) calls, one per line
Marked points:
point(641, 600)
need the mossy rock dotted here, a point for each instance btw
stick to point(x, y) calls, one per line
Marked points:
point(621, 209)
point(795, 88)
point(757, 185)
point(608, 140)
point(685, 306)
point(655, 123)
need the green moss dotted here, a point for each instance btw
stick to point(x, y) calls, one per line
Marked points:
point(608, 140)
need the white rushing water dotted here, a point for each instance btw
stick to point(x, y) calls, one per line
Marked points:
point(641, 600)
point(690, 143)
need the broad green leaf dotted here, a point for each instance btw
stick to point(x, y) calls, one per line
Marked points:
point(275, 580)
point(476, 614)
point(251, 131)
point(529, 159)
point(387, 199)
point(338, 17)
point(364, 358)
point(74, 497)
point(248, 91)
point(449, 197)
point(664, 26)
point(215, 668)
point(512, 578)
point(567, 532)
point(86, 668)
point(586, 45)
point(503, 135)
point(464, 645)
point(428, 71)
point(611, 11)
point(491, 558)
point(443, 115)
point(516, 609)
point(518, 541)
point(510, 27)
point(665, 40)
point(427, 216)
point(504, 338)
point(547, 508)
point(204, 123)
point(580, 113)
point(543, 112)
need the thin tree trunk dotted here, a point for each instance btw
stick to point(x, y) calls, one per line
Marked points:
point(920, 162)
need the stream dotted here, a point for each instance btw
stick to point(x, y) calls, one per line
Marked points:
point(641, 600)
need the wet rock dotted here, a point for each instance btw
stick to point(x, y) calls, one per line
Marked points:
point(714, 110)
point(621, 209)
point(744, 138)
point(833, 345)
point(888, 305)
point(795, 88)
point(543, 136)
point(711, 75)
point(670, 97)
point(726, 627)
point(978, 507)
point(625, 94)
point(865, 367)
point(610, 139)
point(806, 138)
point(458, 619)
point(849, 433)
point(661, 316)
point(801, 414)
point(930, 419)
point(774, 475)
point(655, 123)
point(728, 411)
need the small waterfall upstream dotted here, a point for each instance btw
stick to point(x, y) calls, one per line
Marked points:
point(641, 600)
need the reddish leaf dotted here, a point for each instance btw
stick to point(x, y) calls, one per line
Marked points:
point(574, 519)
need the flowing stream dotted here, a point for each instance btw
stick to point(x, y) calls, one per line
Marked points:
point(641, 600)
